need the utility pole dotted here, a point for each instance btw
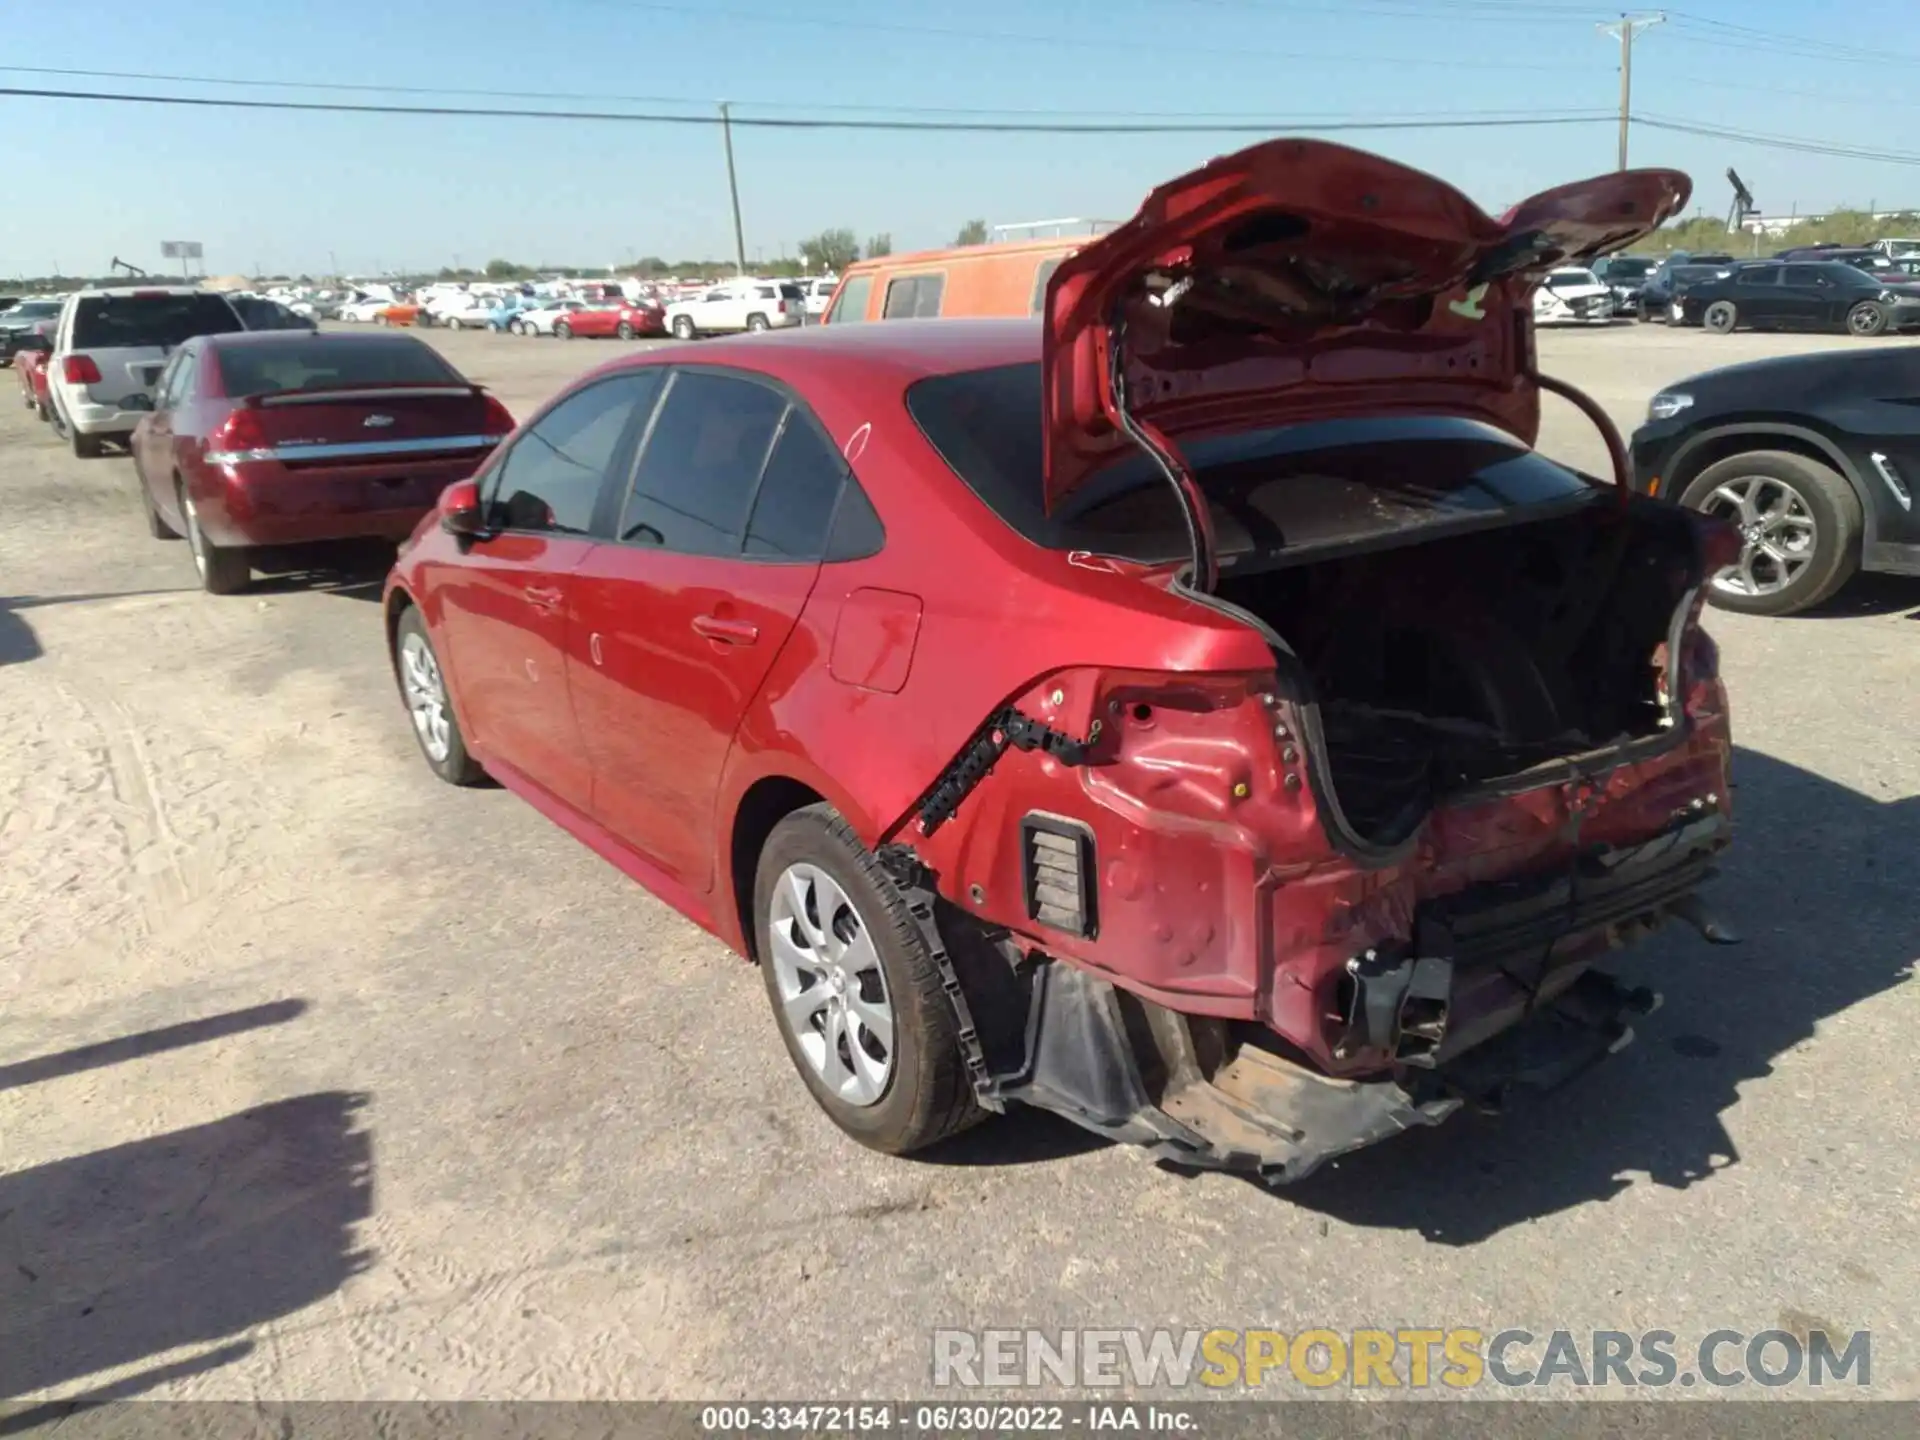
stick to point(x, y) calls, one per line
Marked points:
point(1624, 32)
point(733, 189)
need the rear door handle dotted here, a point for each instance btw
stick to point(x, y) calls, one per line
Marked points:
point(543, 597)
point(730, 632)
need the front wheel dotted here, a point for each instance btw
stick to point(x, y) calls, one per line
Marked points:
point(1721, 317)
point(424, 689)
point(453, 322)
point(624, 330)
point(222, 571)
point(1799, 524)
point(683, 328)
point(1866, 318)
point(856, 996)
point(563, 330)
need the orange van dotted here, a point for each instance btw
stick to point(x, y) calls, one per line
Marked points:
point(975, 280)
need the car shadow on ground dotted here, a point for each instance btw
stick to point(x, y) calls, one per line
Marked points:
point(1819, 885)
point(355, 571)
point(185, 1239)
point(1870, 595)
point(18, 642)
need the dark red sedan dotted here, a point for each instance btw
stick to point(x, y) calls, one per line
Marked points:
point(31, 365)
point(624, 321)
point(1199, 712)
point(270, 439)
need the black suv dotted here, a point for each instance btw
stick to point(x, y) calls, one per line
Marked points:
point(17, 327)
point(1801, 295)
point(1814, 457)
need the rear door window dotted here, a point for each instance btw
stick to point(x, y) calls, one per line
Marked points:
point(852, 304)
point(144, 322)
point(914, 297)
point(701, 463)
point(793, 506)
point(550, 480)
point(1758, 275)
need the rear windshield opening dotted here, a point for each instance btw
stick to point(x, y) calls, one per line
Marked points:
point(270, 367)
point(1292, 488)
point(139, 322)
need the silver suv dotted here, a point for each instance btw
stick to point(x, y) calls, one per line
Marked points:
point(113, 344)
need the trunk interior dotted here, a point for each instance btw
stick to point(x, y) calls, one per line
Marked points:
point(1444, 665)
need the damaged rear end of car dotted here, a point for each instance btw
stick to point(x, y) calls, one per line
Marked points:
point(1254, 918)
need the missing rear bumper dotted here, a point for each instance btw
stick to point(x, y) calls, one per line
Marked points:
point(1202, 1093)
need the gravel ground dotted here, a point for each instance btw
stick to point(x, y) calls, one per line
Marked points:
point(319, 1079)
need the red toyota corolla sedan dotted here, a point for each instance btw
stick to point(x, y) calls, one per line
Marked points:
point(267, 439)
point(623, 321)
point(1199, 713)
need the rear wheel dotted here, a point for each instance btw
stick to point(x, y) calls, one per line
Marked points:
point(1799, 524)
point(157, 526)
point(1866, 318)
point(562, 330)
point(624, 330)
point(222, 571)
point(1721, 317)
point(756, 322)
point(85, 447)
point(856, 996)
point(453, 322)
point(683, 327)
point(424, 689)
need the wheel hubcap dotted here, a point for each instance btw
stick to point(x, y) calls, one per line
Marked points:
point(1778, 535)
point(833, 993)
point(1863, 321)
point(426, 697)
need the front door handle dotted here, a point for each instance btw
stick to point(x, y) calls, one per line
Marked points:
point(729, 632)
point(543, 597)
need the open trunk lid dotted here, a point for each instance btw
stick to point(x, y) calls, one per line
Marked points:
point(1302, 280)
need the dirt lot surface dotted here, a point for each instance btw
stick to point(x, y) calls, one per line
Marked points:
point(319, 1078)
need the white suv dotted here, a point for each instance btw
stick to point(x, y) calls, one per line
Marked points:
point(738, 305)
point(112, 344)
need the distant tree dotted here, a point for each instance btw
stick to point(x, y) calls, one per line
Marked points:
point(878, 245)
point(830, 250)
point(974, 232)
point(505, 270)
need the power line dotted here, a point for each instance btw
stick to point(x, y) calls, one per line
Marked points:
point(1776, 142)
point(768, 122)
point(705, 102)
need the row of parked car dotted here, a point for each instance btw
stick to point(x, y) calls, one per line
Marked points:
point(1823, 288)
point(731, 307)
point(871, 648)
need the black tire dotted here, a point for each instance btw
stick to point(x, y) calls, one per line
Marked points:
point(44, 411)
point(756, 323)
point(222, 571)
point(562, 330)
point(684, 328)
point(453, 322)
point(1828, 499)
point(1721, 317)
point(1866, 319)
point(624, 330)
point(456, 767)
point(928, 1096)
point(85, 447)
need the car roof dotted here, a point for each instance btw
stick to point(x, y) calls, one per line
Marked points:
point(126, 292)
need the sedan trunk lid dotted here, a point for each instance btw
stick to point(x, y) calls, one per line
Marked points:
point(1299, 280)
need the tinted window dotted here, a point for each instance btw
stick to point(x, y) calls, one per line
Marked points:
point(31, 310)
point(1807, 275)
point(1040, 279)
point(702, 459)
point(1757, 275)
point(852, 304)
point(914, 297)
point(300, 363)
point(798, 488)
point(1285, 487)
point(124, 322)
point(177, 384)
point(551, 478)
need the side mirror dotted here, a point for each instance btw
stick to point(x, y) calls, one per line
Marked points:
point(460, 510)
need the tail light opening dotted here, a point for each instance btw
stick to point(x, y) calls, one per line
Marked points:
point(240, 437)
point(498, 424)
point(80, 370)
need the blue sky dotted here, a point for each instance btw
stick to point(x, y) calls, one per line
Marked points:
point(283, 191)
